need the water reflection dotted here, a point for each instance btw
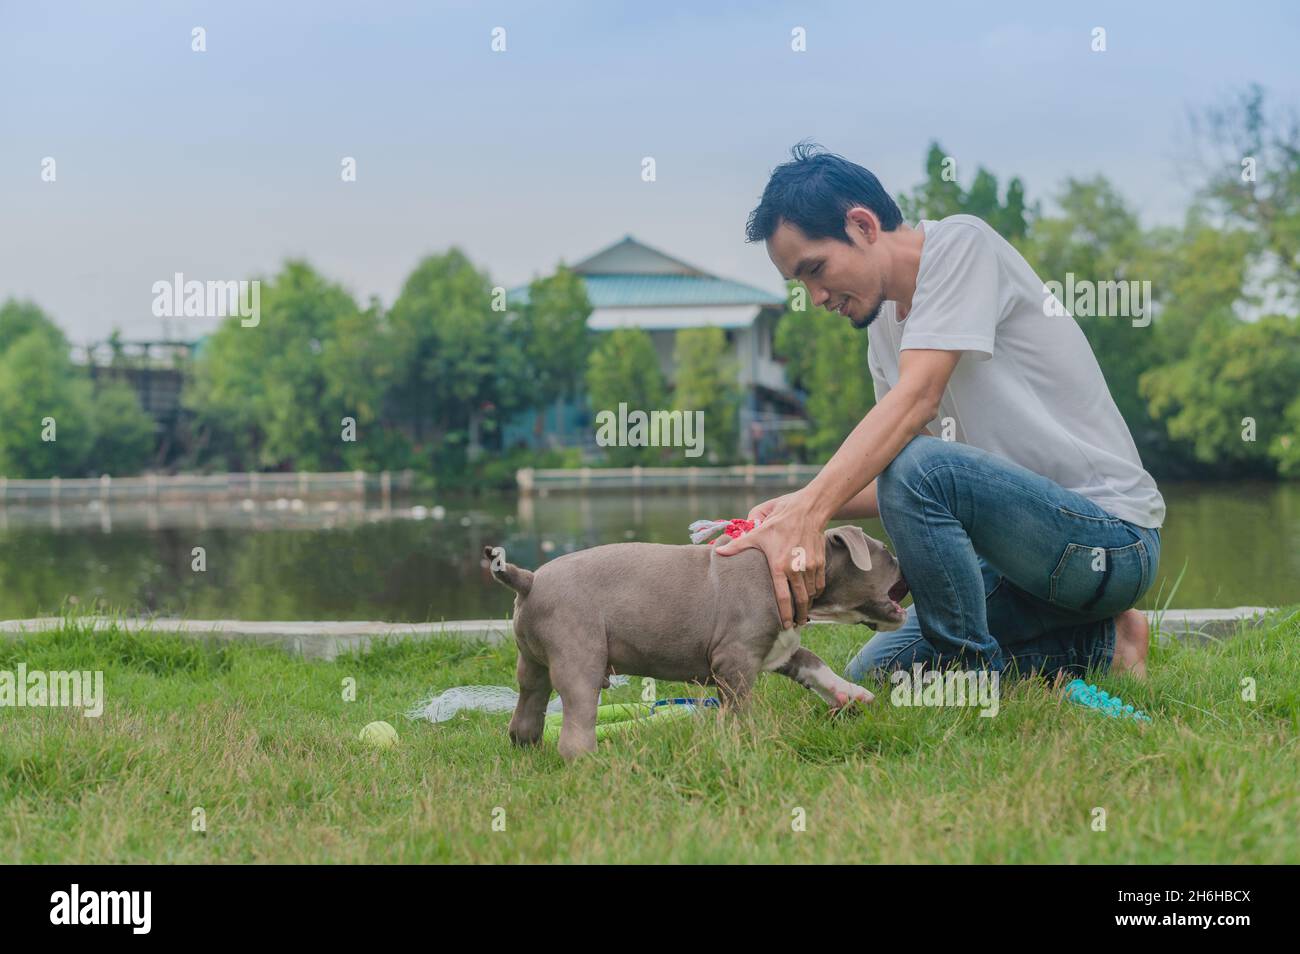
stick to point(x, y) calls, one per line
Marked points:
point(414, 560)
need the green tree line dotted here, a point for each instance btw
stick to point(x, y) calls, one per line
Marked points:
point(1210, 387)
point(324, 383)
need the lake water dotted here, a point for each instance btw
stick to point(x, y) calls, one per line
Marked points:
point(303, 560)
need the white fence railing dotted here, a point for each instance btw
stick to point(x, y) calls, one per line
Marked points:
point(579, 479)
point(202, 486)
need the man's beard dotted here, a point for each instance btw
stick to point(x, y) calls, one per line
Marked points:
point(875, 313)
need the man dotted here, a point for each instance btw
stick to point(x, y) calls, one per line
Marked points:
point(1010, 486)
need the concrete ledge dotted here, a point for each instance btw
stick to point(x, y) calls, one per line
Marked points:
point(326, 640)
point(1204, 625)
point(308, 638)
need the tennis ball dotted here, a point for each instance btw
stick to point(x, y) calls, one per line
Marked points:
point(379, 734)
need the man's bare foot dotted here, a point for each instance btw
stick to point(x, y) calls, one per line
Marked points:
point(1132, 640)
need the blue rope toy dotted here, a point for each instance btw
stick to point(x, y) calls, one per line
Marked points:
point(1090, 697)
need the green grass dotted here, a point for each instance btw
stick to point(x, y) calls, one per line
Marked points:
point(266, 746)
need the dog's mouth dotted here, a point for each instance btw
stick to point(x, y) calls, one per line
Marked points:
point(898, 592)
point(886, 614)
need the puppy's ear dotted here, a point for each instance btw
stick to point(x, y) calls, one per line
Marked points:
point(855, 539)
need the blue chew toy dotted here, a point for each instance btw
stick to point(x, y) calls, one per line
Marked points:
point(1091, 697)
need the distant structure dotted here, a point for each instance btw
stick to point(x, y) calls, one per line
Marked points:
point(155, 370)
point(631, 284)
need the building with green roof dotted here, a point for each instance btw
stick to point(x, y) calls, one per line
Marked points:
point(631, 284)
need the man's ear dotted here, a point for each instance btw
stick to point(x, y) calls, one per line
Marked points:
point(855, 539)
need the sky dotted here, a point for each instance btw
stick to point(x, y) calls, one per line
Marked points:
point(222, 164)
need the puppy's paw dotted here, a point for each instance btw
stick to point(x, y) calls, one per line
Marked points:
point(848, 694)
point(525, 737)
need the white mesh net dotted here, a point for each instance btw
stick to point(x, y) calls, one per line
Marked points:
point(444, 705)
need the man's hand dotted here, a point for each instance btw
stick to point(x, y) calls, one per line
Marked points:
point(791, 533)
point(792, 540)
point(761, 511)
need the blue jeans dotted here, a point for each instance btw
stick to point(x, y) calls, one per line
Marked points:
point(1008, 570)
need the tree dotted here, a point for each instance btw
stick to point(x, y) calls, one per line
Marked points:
point(18, 318)
point(941, 195)
point(1012, 219)
point(1285, 445)
point(1234, 398)
point(840, 387)
point(1199, 273)
point(793, 338)
point(457, 367)
point(982, 199)
point(100, 430)
point(551, 331)
point(124, 433)
point(826, 357)
point(261, 393)
point(46, 408)
point(1252, 179)
point(359, 363)
point(706, 381)
point(624, 368)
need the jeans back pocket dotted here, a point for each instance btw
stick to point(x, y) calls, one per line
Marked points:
point(1100, 581)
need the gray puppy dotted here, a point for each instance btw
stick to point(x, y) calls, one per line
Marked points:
point(680, 613)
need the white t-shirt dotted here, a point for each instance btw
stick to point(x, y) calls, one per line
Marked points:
point(1028, 387)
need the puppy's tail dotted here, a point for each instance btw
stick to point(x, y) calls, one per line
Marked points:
point(519, 580)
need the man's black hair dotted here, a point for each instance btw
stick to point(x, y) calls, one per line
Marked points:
point(813, 191)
